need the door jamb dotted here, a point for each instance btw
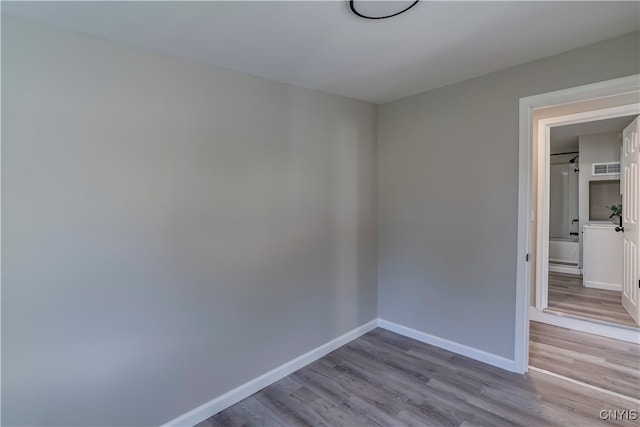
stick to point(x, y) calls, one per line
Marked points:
point(526, 216)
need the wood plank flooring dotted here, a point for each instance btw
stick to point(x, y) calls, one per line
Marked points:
point(603, 362)
point(384, 379)
point(567, 295)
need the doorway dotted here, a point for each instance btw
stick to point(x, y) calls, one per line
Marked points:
point(585, 234)
point(538, 114)
point(568, 325)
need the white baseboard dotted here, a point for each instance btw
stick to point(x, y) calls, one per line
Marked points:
point(564, 269)
point(618, 333)
point(219, 403)
point(222, 402)
point(602, 285)
point(474, 353)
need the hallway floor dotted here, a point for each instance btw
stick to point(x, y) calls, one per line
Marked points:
point(567, 295)
point(602, 362)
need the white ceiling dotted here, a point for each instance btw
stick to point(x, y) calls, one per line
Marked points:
point(565, 138)
point(323, 46)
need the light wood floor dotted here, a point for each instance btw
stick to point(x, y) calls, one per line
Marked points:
point(384, 379)
point(603, 362)
point(567, 295)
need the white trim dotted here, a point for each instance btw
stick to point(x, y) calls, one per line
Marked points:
point(592, 115)
point(525, 214)
point(542, 206)
point(1, 248)
point(564, 269)
point(219, 403)
point(603, 89)
point(589, 386)
point(602, 285)
point(474, 353)
point(618, 333)
point(523, 248)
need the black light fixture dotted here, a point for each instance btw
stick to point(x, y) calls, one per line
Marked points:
point(355, 10)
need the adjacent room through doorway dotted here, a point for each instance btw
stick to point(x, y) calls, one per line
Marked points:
point(584, 258)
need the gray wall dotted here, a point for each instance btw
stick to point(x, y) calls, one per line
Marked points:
point(170, 230)
point(448, 193)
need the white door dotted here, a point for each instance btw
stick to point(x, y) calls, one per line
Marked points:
point(630, 175)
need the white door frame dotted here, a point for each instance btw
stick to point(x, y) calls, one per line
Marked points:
point(526, 215)
point(543, 149)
